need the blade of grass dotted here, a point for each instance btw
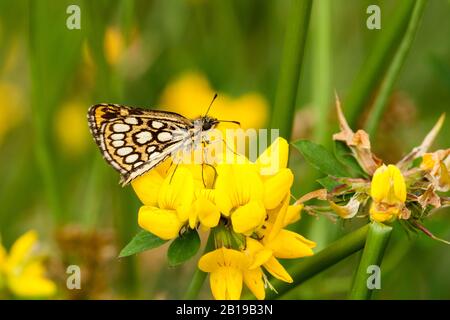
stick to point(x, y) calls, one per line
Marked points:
point(375, 66)
point(377, 240)
point(394, 69)
point(335, 252)
point(321, 77)
point(294, 46)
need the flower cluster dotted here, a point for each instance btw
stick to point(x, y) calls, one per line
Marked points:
point(407, 191)
point(22, 271)
point(246, 211)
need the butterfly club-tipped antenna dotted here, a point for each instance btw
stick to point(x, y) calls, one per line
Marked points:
point(210, 104)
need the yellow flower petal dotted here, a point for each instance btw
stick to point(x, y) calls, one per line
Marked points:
point(248, 217)
point(293, 214)
point(258, 255)
point(22, 249)
point(383, 213)
point(226, 283)
point(276, 220)
point(207, 212)
point(277, 270)
point(388, 185)
point(31, 287)
point(177, 190)
point(147, 187)
point(399, 183)
point(162, 223)
point(288, 245)
point(276, 188)
point(213, 260)
point(253, 279)
point(274, 158)
point(388, 191)
point(237, 185)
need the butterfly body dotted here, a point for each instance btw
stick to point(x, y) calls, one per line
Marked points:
point(135, 140)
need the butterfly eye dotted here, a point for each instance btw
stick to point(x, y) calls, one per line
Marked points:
point(206, 126)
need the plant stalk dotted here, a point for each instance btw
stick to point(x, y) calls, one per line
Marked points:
point(377, 240)
point(199, 276)
point(291, 65)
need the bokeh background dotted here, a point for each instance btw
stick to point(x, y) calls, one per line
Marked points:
point(174, 55)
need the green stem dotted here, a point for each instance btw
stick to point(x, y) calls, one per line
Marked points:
point(329, 256)
point(199, 276)
point(374, 68)
point(377, 240)
point(294, 46)
point(394, 68)
point(321, 78)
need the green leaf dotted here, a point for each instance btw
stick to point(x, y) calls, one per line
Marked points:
point(328, 183)
point(320, 158)
point(144, 240)
point(183, 248)
point(345, 156)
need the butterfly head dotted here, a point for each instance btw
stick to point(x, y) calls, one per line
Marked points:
point(208, 123)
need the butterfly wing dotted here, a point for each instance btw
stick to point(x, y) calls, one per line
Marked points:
point(134, 140)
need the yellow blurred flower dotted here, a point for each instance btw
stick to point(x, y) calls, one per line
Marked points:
point(11, 108)
point(191, 93)
point(113, 45)
point(388, 192)
point(22, 271)
point(70, 128)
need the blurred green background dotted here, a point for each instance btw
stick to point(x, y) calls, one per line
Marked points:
point(135, 53)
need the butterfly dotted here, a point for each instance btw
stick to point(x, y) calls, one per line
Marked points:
point(135, 140)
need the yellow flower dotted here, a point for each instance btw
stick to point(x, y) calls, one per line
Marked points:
point(388, 192)
point(204, 210)
point(11, 108)
point(228, 268)
point(70, 128)
point(282, 243)
point(191, 93)
point(113, 45)
point(165, 215)
point(239, 194)
point(22, 270)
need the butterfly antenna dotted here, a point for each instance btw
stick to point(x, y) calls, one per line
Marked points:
point(230, 121)
point(212, 101)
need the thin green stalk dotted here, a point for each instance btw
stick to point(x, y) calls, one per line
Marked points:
point(294, 46)
point(199, 276)
point(377, 240)
point(374, 68)
point(321, 78)
point(335, 252)
point(394, 68)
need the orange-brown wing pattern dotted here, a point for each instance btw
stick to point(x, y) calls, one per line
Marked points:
point(134, 140)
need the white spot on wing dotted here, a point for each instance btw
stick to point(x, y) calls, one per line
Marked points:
point(132, 158)
point(124, 151)
point(117, 136)
point(144, 136)
point(164, 136)
point(151, 149)
point(121, 127)
point(131, 120)
point(157, 124)
point(118, 143)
